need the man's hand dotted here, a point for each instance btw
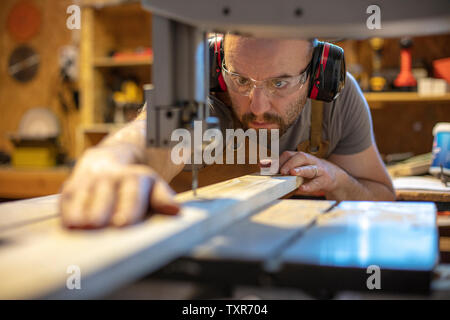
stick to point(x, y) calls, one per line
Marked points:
point(109, 186)
point(321, 175)
point(360, 176)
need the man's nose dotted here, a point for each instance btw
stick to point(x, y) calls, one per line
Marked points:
point(259, 103)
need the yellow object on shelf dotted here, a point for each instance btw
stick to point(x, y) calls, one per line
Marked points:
point(131, 93)
point(377, 83)
point(34, 157)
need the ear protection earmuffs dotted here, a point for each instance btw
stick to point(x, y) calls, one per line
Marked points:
point(216, 82)
point(326, 70)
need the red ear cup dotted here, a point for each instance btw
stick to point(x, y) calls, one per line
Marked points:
point(327, 77)
point(222, 83)
point(217, 83)
point(219, 54)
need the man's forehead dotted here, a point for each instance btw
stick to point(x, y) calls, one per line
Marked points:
point(263, 56)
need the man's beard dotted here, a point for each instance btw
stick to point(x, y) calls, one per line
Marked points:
point(292, 113)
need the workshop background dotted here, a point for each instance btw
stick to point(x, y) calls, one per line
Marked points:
point(63, 90)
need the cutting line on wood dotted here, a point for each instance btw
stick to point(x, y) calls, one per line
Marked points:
point(331, 207)
point(274, 263)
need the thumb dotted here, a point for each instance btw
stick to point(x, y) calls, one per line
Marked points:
point(162, 199)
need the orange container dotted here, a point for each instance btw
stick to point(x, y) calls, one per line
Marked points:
point(441, 69)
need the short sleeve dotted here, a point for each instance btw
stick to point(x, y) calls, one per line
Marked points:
point(353, 119)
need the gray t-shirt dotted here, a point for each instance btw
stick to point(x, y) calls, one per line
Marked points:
point(347, 123)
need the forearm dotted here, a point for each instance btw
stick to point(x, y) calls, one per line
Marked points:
point(351, 188)
point(131, 137)
point(128, 145)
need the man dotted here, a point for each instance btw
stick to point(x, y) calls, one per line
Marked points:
point(115, 182)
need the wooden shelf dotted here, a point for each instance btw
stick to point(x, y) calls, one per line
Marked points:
point(101, 127)
point(107, 62)
point(119, 26)
point(404, 97)
point(16, 183)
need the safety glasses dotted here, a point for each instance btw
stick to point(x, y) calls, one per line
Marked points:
point(278, 86)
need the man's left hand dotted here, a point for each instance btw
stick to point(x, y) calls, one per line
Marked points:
point(320, 175)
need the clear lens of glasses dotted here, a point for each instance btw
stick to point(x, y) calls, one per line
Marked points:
point(281, 86)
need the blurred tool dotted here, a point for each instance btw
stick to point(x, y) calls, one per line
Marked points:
point(23, 63)
point(440, 165)
point(68, 62)
point(127, 101)
point(405, 78)
point(377, 81)
point(35, 143)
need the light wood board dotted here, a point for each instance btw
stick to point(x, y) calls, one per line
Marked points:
point(34, 258)
point(261, 236)
point(20, 213)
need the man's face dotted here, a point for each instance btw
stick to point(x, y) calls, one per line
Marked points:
point(262, 59)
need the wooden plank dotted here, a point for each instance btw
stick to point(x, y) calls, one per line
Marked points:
point(415, 166)
point(422, 195)
point(247, 250)
point(86, 71)
point(34, 258)
point(105, 62)
point(260, 236)
point(19, 213)
point(421, 188)
point(404, 97)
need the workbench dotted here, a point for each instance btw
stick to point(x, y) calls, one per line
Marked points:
point(234, 232)
point(421, 188)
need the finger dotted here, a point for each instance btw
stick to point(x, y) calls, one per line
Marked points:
point(74, 206)
point(298, 160)
point(308, 172)
point(162, 199)
point(313, 186)
point(101, 207)
point(68, 187)
point(285, 156)
point(132, 199)
point(65, 200)
point(161, 196)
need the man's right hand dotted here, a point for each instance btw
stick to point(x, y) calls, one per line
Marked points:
point(109, 186)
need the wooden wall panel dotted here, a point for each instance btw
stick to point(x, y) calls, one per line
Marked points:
point(407, 127)
point(15, 97)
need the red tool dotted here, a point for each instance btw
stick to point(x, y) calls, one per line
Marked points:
point(405, 78)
